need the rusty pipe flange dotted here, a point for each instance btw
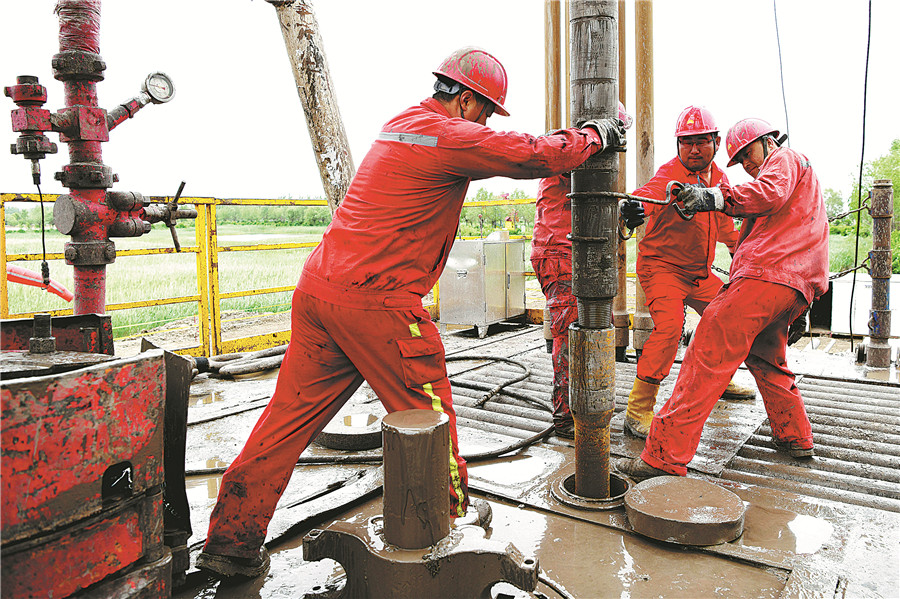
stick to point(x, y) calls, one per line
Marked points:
point(563, 490)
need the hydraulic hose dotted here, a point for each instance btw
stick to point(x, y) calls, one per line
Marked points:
point(377, 459)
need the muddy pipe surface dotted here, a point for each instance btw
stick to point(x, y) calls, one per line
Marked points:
point(878, 353)
point(592, 399)
point(594, 52)
point(416, 445)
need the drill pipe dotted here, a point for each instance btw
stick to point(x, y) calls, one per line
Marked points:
point(592, 399)
point(878, 354)
point(594, 52)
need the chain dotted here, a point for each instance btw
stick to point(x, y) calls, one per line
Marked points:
point(865, 206)
point(849, 270)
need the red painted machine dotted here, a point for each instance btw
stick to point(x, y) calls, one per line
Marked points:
point(89, 213)
point(92, 497)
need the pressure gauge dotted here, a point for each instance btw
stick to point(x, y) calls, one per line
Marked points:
point(159, 87)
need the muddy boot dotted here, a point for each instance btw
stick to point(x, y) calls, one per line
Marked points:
point(794, 449)
point(639, 413)
point(735, 391)
point(637, 469)
point(227, 566)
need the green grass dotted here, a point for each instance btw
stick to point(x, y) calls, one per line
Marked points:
point(140, 278)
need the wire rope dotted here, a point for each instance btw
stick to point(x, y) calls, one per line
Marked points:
point(862, 158)
point(787, 127)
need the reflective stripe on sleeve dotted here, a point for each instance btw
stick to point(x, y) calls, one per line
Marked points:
point(409, 138)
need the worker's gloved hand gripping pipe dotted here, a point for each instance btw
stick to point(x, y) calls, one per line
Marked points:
point(611, 131)
point(700, 199)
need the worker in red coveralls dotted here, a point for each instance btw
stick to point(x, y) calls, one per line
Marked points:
point(357, 311)
point(674, 260)
point(780, 266)
point(551, 258)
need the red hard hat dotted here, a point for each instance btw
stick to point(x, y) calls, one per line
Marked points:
point(480, 72)
point(745, 132)
point(695, 120)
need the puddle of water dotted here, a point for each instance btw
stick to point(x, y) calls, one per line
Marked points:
point(772, 528)
point(518, 471)
point(810, 533)
point(583, 558)
point(205, 398)
point(359, 420)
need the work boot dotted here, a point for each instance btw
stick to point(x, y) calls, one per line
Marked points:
point(735, 391)
point(639, 413)
point(479, 514)
point(564, 430)
point(228, 566)
point(637, 469)
point(794, 449)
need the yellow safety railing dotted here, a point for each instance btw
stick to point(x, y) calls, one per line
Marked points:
point(207, 249)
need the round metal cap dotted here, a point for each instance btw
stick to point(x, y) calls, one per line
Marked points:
point(687, 511)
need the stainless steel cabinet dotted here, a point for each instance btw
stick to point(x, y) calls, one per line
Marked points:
point(483, 283)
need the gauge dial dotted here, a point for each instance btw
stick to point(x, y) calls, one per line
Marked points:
point(159, 87)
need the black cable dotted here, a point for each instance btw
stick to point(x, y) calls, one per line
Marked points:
point(45, 267)
point(377, 459)
point(861, 163)
point(787, 127)
point(495, 390)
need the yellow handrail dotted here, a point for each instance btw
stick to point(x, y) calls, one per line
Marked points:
point(207, 249)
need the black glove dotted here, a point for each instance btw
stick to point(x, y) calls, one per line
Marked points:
point(632, 213)
point(700, 199)
point(612, 132)
point(797, 328)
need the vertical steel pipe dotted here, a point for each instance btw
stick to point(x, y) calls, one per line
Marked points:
point(620, 304)
point(416, 446)
point(878, 353)
point(594, 94)
point(643, 46)
point(313, 78)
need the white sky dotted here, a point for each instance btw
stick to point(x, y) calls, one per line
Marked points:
point(235, 127)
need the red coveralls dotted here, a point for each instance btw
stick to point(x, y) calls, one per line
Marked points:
point(780, 266)
point(551, 258)
point(673, 264)
point(357, 311)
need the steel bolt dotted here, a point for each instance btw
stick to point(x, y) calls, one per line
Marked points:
point(71, 254)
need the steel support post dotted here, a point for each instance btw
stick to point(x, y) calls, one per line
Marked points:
point(643, 50)
point(878, 353)
point(594, 92)
point(552, 65)
point(621, 319)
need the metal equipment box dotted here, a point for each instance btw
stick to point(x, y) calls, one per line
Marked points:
point(844, 314)
point(483, 282)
